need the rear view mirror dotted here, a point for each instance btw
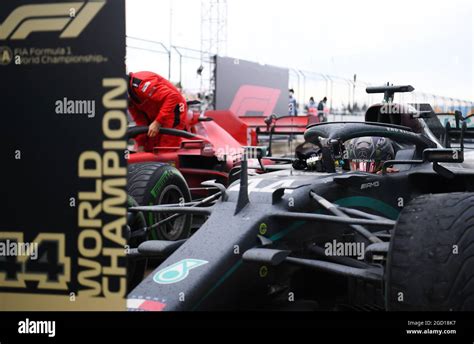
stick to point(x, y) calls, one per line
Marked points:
point(443, 155)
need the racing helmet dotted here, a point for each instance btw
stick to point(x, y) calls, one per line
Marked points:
point(367, 154)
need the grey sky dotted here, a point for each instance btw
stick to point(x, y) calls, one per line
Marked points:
point(425, 43)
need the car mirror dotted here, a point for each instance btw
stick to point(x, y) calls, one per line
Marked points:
point(443, 155)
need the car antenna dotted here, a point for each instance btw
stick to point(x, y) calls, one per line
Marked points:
point(243, 198)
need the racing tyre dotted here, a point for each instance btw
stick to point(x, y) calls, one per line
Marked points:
point(135, 236)
point(159, 183)
point(430, 263)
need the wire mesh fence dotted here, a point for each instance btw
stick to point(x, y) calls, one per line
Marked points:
point(193, 71)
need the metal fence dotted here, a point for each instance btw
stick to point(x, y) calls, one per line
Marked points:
point(348, 96)
point(193, 70)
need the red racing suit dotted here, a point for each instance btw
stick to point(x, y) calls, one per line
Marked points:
point(153, 98)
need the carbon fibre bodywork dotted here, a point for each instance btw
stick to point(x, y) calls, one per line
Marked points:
point(226, 282)
point(264, 237)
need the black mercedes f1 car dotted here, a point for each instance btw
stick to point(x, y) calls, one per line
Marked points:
point(312, 234)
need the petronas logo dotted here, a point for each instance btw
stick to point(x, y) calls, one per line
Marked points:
point(178, 271)
point(6, 56)
point(69, 18)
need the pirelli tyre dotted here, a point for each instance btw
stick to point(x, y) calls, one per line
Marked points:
point(135, 236)
point(158, 183)
point(430, 263)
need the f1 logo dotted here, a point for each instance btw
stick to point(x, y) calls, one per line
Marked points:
point(70, 18)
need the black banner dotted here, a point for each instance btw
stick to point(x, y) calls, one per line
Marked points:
point(250, 89)
point(371, 327)
point(63, 106)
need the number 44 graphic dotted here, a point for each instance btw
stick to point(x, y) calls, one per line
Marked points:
point(52, 269)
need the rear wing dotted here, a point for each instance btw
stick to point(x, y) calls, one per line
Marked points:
point(277, 125)
point(242, 128)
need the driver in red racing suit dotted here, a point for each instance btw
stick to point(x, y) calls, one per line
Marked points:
point(156, 103)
